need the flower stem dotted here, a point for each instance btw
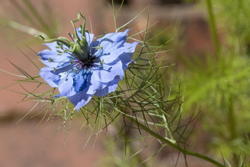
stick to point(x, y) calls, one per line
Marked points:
point(170, 143)
point(213, 27)
point(232, 128)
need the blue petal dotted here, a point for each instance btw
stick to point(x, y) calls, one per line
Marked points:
point(89, 37)
point(94, 85)
point(109, 40)
point(81, 80)
point(110, 87)
point(115, 36)
point(80, 99)
point(52, 79)
point(105, 76)
point(66, 85)
point(66, 67)
point(123, 53)
point(53, 45)
point(126, 57)
point(53, 59)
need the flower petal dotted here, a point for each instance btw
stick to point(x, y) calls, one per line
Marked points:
point(80, 99)
point(53, 45)
point(109, 40)
point(126, 58)
point(111, 87)
point(105, 76)
point(53, 59)
point(52, 79)
point(115, 36)
point(89, 37)
point(66, 85)
point(81, 80)
point(123, 53)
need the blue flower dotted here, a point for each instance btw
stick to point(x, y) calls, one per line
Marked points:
point(84, 67)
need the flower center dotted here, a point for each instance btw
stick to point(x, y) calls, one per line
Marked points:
point(87, 62)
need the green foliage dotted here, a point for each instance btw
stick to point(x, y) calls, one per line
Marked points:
point(220, 91)
point(218, 86)
point(236, 14)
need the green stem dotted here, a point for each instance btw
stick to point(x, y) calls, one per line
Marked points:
point(23, 28)
point(232, 127)
point(213, 27)
point(231, 119)
point(174, 145)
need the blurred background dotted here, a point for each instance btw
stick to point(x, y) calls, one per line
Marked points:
point(215, 78)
